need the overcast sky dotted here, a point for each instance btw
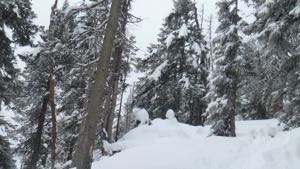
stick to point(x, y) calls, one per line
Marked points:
point(151, 11)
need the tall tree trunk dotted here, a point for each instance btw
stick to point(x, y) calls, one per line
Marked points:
point(84, 150)
point(52, 88)
point(53, 113)
point(34, 158)
point(210, 60)
point(234, 84)
point(111, 101)
point(120, 108)
point(116, 70)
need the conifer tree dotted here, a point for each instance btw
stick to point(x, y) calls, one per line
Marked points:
point(38, 112)
point(223, 80)
point(276, 27)
point(176, 68)
point(15, 17)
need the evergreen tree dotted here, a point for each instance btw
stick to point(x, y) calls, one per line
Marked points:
point(38, 122)
point(276, 28)
point(251, 105)
point(176, 68)
point(223, 80)
point(291, 67)
point(34, 115)
point(15, 17)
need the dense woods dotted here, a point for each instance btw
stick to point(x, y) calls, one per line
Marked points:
point(69, 100)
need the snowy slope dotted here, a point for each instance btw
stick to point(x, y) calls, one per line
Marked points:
point(167, 144)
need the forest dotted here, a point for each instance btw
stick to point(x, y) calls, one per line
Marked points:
point(204, 97)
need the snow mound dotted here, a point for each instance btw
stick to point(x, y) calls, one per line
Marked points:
point(170, 114)
point(141, 115)
point(166, 144)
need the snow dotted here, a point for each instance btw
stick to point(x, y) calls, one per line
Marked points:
point(183, 31)
point(141, 115)
point(198, 48)
point(296, 11)
point(169, 40)
point(166, 144)
point(185, 80)
point(156, 74)
point(170, 114)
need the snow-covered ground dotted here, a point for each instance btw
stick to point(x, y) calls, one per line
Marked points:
point(167, 144)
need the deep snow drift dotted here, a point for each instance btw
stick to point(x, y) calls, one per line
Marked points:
point(167, 144)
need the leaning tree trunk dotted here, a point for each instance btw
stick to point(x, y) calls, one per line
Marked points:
point(116, 71)
point(110, 102)
point(84, 150)
point(37, 144)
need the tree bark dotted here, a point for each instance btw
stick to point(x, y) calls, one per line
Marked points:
point(120, 109)
point(211, 59)
point(116, 70)
point(84, 150)
point(234, 85)
point(52, 89)
point(53, 113)
point(34, 158)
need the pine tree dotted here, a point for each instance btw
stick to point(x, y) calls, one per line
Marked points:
point(34, 115)
point(39, 120)
point(176, 68)
point(251, 105)
point(276, 27)
point(15, 17)
point(290, 66)
point(223, 81)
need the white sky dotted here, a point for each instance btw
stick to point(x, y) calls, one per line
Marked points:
point(151, 11)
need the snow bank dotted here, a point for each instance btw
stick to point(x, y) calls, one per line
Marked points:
point(167, 144)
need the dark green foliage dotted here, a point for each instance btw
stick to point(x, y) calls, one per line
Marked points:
point(277, 51)
point(16, 28)
point(223, 80)
point(15, 17)
point(176, 68)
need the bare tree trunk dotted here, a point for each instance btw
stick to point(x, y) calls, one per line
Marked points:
point(120, 108)
point(84, 150)
point(111, 99)
point(52, 89)
point(129, 109)
point(210, 60)
point(202, 17)
point(110, 104)
point(34, 158)
point(118, 53)
point(233, 87)
point(53, 113)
